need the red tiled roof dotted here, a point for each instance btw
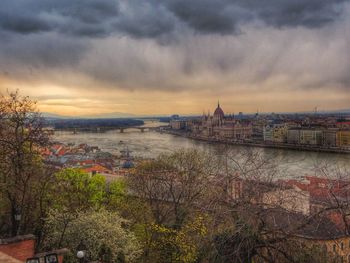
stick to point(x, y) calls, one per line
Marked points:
point(97, 168)
point(62, 152)
point(46, 151)
point(321, 188)
point(337, 219)
point(56, 146)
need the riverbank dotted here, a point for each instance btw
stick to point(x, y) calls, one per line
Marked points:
point(260, 144)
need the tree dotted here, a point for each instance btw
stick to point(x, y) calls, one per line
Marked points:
point(171, 192)
point(173, 184)
point(22, 136)
point(116, 194)
point(77, 190)
point(105, 235)
point(179, 245)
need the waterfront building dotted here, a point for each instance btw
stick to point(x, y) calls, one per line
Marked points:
point(345, 124)
point(319, 132)
point(224, 132)
point(258, 129)
point(193, 126)
point(330, 137)
point(311, 136)
point(177, 124)
point(276, 133)
point(343, 139)
point(242, 131)
point(221, 126)
point(305, 136)
point(280, 132)
point(268, 133)
point(293, 136)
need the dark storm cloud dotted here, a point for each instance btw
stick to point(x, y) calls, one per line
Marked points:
point(23, 24)
point(144, 19)
point(208, 16)
point(111, 42)
point(226, 16)
point(30, 56)
point(79, 17)
point(91, 18)
point(138, 18)
point(291, 13)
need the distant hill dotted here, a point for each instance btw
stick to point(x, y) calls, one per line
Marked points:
point(111, 115)
point(48, 115)
point(90, 124)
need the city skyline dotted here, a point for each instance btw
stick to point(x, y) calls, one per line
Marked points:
point(165, 57)
point(208, 111)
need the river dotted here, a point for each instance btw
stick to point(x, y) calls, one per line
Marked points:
point(150, 144)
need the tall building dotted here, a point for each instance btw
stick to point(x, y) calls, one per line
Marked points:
point(220, 125)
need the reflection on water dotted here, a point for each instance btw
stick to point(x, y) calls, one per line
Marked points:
point(151, 144)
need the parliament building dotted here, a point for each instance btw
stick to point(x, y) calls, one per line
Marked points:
point(218, 125)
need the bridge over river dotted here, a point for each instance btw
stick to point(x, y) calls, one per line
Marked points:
point(118, 129)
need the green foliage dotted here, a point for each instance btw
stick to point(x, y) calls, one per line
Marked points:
point(166, 244)
point(76, 189)
point(104, 234)
point(116, 196)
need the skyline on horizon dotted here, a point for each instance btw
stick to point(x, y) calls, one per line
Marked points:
point(207, 112)
point(99, 57)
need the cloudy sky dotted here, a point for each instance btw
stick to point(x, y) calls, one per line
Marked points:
point(86, 57)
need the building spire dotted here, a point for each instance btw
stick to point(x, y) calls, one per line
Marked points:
point(218, 104)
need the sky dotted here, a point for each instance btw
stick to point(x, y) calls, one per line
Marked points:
point(93, 57)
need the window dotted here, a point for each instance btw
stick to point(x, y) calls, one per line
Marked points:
point(334, 248)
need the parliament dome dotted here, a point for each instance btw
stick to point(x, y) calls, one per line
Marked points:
point(219, 112)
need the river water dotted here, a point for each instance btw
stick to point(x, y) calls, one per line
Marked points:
point(150, 144)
